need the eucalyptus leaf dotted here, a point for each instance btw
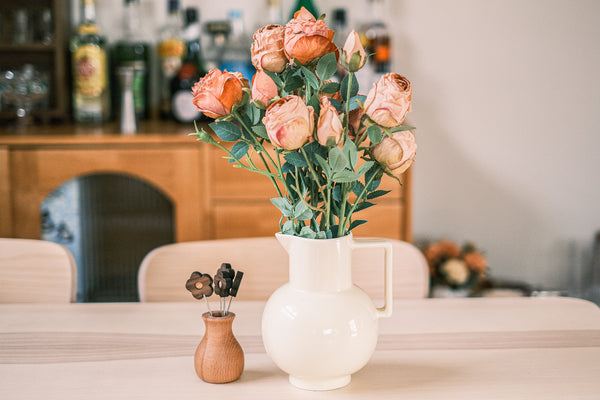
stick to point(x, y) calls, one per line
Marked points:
point(351, 153)
point(344, 176)
point(377, 193)
point(356, 223)
point(302, 212)
point(337, 160)
point(239, 150)
point(296, 159)
point(260, 131)
point(375, 135)
point(284, 206)
point(227, 131)
point(353, 87)
point(330, 88)
point(307, 232)
point(288, 228)
point(327, 66)
point(310, 77)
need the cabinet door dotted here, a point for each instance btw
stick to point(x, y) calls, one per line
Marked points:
point(173, 170)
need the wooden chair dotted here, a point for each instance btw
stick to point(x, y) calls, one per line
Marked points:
point(164, 271)
point(36, 271)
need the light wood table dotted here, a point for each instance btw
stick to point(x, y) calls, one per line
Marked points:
point(501, 348)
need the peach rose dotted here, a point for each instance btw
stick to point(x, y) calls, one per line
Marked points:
point(306, 38)
point(263, 88)
point(289, 122)
point(216, 92)
point(475, 261)
point(354, 53)
point(267, 49)
point(397, 153)
point(388, 101)
point(329, 124)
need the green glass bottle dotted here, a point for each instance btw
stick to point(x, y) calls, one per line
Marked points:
point(132, 51)
point(308, 4)
point(91, 86)
point(192, 68)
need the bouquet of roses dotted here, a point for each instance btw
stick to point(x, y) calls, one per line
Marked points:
point(324, 146)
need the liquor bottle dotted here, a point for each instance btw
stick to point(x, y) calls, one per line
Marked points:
point(274, 15)
point(192, 68)
point(132, 51)
point(339, 25)
point(218, 32)
point(308, 4)
point(171, 49)
point(237, 54)
point(375, 37)
point(91, 87)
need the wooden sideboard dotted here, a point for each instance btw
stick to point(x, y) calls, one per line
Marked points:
point(212, 199)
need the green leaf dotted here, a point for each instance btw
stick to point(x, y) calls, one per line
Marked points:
point(292, 83)
point(227, 131)
point(337, 161)
point(363, 205)
point(377, 193)
point(357, 102)
point(284, 206)
point(322, 235)
point(323, 164)
point(356, 223)
point(327, 66)
point(353, 87)
point(253, 113)
point(330, 88)
point(315, 103)
point(358, 188)
point(351, 153)
point(310, 77)
point(364, 168)
point(239, 150)
point(344, 176)
point(402, 128)
point(375, 135)
point(374, 184)
point(296, 159)
point(307, 232)
point(288, 228)
point(260, 131)
point(302, 212)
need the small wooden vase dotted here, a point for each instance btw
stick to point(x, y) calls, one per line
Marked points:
point(219, 357)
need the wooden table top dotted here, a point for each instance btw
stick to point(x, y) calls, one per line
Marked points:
point(495, 348)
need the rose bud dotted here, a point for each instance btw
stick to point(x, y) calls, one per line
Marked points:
point(329, 124)
point(263, 88)
point(216, 92)
point(397, 153)
point(354, 55)
point(289, 122)
point(267, 49)
point(307, 38)
point(388, 101)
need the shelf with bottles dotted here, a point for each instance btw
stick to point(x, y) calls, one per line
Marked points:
point(33, 35)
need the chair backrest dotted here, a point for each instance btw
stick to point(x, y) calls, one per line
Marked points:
point(164, 271)
point(36, 271)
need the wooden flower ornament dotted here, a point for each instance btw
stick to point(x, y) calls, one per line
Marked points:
point(200, 285)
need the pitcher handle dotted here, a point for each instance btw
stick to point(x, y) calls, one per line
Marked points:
point(386, 310)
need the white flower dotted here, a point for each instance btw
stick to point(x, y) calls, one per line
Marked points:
point(456, 271)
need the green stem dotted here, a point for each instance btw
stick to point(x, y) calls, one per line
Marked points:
point(359, 198)
point(326, 195)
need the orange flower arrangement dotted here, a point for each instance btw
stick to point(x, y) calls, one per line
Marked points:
point(453, 266)
point(332, 145)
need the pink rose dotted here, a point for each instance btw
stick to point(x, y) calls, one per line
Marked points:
point(267, 49)
point(397, 153)
point(388, 101)
point(289, 122)
point(354, 53)
point(216, 92)
point(263, 88)
point(306, 38)
point(329, 124)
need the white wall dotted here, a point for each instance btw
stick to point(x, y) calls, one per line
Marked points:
point(507, 105)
